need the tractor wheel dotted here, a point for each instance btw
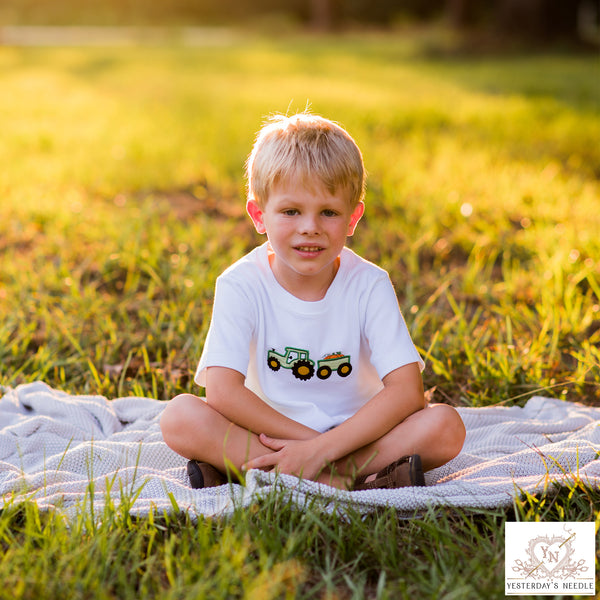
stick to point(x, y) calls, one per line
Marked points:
point(323, 372)
point(273, 363)
point(303, 370)
point(344, 370)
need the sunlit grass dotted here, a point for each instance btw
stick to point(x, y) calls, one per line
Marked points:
point(481, 183)
point(121, 197)
point(272, 549)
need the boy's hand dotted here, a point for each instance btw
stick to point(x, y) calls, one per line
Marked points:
point(301, 458)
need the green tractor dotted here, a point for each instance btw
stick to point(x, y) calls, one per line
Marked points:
point(295, 359)
point(303, 367)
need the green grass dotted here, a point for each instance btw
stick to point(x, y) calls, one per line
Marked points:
point(274, 549)
point(122, 200)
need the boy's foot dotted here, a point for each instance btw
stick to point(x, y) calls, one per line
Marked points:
point(406, 471)
point(203, 475)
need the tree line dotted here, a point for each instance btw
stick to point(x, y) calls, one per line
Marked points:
point(545, 19)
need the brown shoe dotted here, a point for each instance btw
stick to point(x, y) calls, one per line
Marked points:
point(404, 472)
point(203, 475)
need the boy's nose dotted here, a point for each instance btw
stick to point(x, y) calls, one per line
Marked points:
point(309, 225)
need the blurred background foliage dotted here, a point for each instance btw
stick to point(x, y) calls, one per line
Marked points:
point(540, 20)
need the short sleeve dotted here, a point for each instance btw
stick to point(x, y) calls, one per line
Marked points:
point(230, 333)
point(386, 332)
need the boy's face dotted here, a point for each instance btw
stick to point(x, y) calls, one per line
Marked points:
point(307, 229)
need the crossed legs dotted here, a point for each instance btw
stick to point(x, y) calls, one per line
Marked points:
point(194, 430)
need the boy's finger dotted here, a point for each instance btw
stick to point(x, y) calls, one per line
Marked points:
point(272, 443)
point(259, 462)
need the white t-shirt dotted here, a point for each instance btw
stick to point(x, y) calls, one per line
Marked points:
point(315, 362)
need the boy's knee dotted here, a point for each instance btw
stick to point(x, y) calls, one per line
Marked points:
point(450, 428)
point(176, 415)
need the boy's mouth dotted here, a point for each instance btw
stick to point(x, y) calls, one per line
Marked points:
point(309, 248)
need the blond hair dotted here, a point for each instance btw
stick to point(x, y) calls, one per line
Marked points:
point(307, 148)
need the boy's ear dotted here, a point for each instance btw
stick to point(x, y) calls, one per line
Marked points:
point(357, 213)
point(256, 214)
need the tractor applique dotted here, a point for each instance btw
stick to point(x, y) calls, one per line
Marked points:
point(303, 367)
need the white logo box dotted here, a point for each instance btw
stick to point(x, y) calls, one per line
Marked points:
point(550, 559)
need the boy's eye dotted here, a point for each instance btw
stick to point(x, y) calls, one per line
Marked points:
point(329, 213)
point(290, 212)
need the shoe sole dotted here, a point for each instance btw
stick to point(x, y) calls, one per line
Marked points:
point(195, 474)
point(417, 477)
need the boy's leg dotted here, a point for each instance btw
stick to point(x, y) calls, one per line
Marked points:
point(436, 433)
point(196, 431)
point(193, 429)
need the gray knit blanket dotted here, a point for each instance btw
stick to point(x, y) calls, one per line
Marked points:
point(81, 453)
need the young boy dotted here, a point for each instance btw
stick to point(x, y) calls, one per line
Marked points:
point(308, 366)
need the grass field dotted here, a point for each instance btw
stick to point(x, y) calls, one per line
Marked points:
point(122, 199)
